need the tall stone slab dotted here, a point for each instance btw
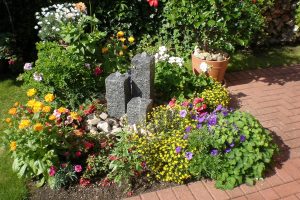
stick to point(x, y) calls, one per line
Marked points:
point(137, 109)
point(142, 76)
point(118, 94)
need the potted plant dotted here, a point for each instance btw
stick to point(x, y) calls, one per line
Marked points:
point(217, 27)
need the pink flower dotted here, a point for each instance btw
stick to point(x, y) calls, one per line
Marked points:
point(84, 182)
point(52, 171)
point(98, 71)
point(78, 153)
point(11, 62)
point(185, 103)
point(78, 168)
point(172, 102)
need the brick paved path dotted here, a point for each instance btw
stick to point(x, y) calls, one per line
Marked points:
point(273, 96)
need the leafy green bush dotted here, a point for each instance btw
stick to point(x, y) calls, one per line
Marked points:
point(221, 25)
point(232, 149)
point(297, 17)
point(215, 95)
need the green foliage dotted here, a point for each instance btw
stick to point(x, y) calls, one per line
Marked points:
point(68, 77)
point(215, 95)
point(222, 25)
point(243, 149)
point(124, 160)
point(64, 176)
point(297, 17)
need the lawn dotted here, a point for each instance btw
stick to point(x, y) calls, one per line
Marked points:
point(11, 187)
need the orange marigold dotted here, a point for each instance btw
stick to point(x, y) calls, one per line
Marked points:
point(38, 127)
point(12, 111)
point(13, 145)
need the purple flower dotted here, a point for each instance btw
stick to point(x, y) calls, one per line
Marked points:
point(183, 113)
point(219, 107)
point(201, 119)
point(212, 120)
point(214, 152)
point(178, 149)
point(37, 77)
point(190, 105)
point(225, 113)
point(28, 66)
point(185, 136)
point(199, 126)
point(193, 116)
point(227, 150)
point(242, 138)
point(188, 129)
point(231, 145)
point(78, 168)
point(189, 155)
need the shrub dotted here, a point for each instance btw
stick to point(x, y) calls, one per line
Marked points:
point(232, 149)
point(215, 95)
point(216, 24)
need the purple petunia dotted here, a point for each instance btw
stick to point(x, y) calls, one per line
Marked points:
point(225, 113)
point(227, 150)
point(27, 66)
point(189, 155)
point(183, 113)
point(214, 152)
point(185, 136)
point(199, 126)
point(188, 129)
point(231, 145)
point(201, 119)
point(212, 120)
point(219, 107)
point(178, 149)
point(242, 138)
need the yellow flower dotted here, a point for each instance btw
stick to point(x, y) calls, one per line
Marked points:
point(120, 34)
point(121, 53)
point(52, 117)
point(31, 103)
point(38, 127)
point(131, 39)
point(31, 92)
point(8, 120)
point(122, 39)
point(49, 97)
point(104, 50)
point(74, 115)
point(46, 109)
point(12, 111)
point(24, 123)
point(16, 104)
point(80, 6)
point(37, 107)
point(13, 145)
point(62, 110)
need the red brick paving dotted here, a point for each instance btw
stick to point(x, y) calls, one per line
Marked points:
point(273, 97)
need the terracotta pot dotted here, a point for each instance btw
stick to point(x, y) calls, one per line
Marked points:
point(217, 70)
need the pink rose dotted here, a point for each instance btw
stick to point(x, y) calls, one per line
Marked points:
point(78, 168)
point(52, 171)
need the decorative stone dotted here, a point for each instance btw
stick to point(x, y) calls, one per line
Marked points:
point(116, 130)
point(112, 122)
point(104, 126)
point(94, 121)
point(91, 116)
point(220, 58)
point(118, 94)
point(94, 131)
point(137, 109)
point(103, 116)
point(142, 76)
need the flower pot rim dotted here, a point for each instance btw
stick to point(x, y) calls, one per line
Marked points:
point(226, 59)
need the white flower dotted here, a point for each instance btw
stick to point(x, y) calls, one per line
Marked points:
point(162, 49)
point(37, 77)
point(36, 27)
point(57, 29)
point(204, 67)
point(70, 15)
point(296, 28)
point(172, 60)
point(53, 28)
point(40, 23)
point(27, 66)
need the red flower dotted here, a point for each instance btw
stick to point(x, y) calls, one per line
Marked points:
point(197, 100)
point(98, 71)
point(11, 62)
point(153, 3)
point(88, 145)
point(78, 153)
point(254, 1)
point(90, 110)
point(84, 182)
point(105, 182)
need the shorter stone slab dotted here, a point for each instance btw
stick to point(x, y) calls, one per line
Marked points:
point(137, 109)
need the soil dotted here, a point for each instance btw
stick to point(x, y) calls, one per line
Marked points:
point(94, 191)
